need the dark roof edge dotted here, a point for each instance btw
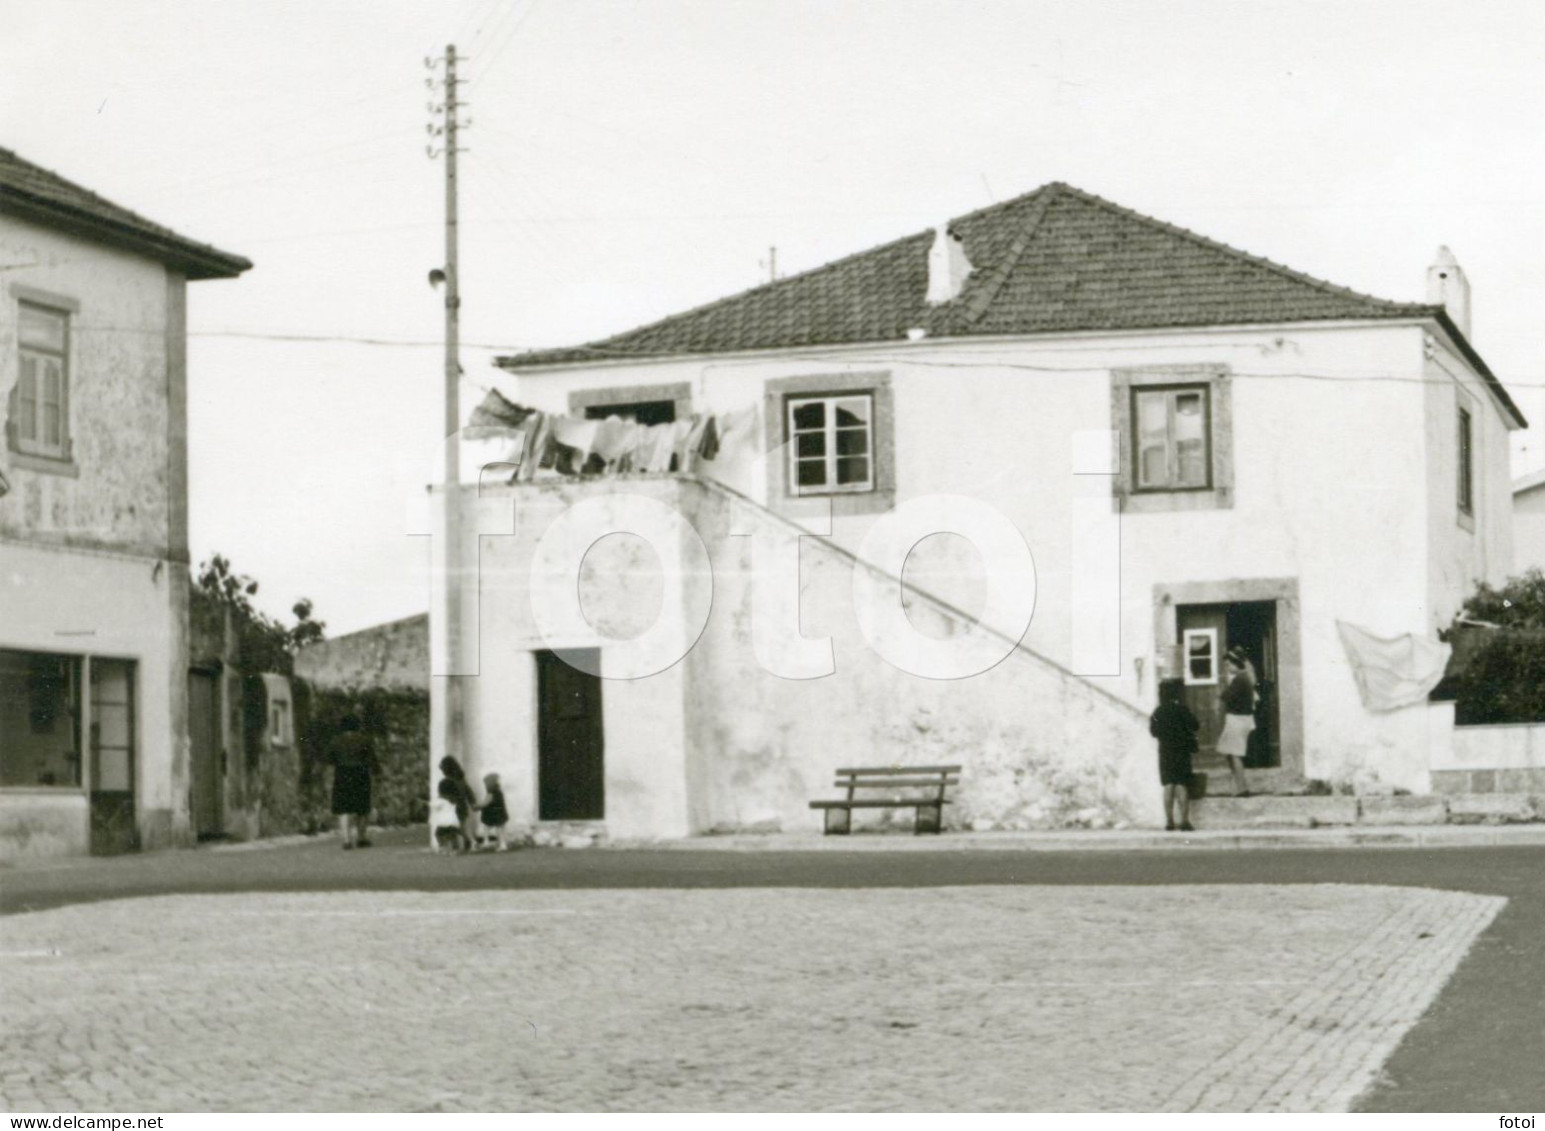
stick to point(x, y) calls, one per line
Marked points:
point(195, 260)
point(1468, 352)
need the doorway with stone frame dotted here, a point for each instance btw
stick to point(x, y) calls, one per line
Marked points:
point(1196, 623)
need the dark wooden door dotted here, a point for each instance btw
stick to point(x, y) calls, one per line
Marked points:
point(1203, 640)
point(207, 771)
point(570, 745)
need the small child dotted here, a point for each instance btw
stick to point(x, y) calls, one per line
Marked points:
point(1173, 724)
point(494, 813)
point(446, 822)
point(461, 793)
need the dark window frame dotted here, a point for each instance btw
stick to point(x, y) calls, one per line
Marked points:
point(1466, 462)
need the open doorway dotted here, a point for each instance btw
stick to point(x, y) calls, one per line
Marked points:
point(1206, 633)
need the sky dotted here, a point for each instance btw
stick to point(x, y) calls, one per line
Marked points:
point(628, 159)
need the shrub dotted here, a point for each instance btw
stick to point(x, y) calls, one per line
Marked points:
point(1498, 671)
point(1504, 682)
point(397, 720)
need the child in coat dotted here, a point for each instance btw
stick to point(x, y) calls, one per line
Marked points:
point(450, 836)
point(495, 814)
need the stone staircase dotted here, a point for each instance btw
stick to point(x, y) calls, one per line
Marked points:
point(1308, 811)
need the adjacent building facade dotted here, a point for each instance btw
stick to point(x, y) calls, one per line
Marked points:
point(1529, 522)
point(1200, 450)
point(94, 646)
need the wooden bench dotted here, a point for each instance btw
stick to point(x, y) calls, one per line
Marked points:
point(920, 788)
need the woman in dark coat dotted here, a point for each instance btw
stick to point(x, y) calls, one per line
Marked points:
point(1175, 727)
point(353, 758)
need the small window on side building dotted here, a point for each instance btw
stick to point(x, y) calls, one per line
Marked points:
point(40, 403)
point(1466, 462)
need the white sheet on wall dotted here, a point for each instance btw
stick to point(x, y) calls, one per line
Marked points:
point(1393, 673)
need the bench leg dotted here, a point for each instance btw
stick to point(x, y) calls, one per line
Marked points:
point(930, 819)
point(839, 822)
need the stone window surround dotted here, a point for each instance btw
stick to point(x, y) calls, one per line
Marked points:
point(1215, 377)
point(679, 392)
point(33, 461)
point(877, 384)
point(1283, 591)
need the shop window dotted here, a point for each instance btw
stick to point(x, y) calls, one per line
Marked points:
point(39, 719)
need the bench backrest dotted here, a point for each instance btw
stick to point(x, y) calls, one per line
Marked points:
point(938, 778)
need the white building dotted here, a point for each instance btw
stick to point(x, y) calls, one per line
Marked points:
point(94, 663)
point(1529, 522)
point(1279, 454)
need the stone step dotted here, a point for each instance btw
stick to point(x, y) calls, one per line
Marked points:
point(1263, 811)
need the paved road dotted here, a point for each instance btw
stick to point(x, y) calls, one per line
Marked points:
point(1478, 1048)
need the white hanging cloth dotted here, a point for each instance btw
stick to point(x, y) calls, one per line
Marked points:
point(1393, 673)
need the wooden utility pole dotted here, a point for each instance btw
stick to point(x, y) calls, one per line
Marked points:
point(455, 731)
point(451, 727)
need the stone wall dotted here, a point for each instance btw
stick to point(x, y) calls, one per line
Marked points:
point(718, 742)
point(397, 720)
point(395, 655)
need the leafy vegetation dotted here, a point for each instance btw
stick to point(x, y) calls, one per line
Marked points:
point(266, 645)
point(1502, 666)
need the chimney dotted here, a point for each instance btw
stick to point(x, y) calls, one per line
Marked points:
point(1448, 287)
point(948, 267)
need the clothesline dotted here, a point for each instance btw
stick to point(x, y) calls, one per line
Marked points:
point(560, 444)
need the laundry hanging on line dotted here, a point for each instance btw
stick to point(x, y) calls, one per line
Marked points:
point(616, 445)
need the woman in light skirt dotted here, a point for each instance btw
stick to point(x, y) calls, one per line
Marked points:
point(1239, 715)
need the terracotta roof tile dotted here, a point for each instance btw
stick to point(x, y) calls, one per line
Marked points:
point(38, 194)
point(1054, 260)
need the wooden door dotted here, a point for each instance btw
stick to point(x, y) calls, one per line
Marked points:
point(207, 766)
point(570, 743)
point(1203, 640)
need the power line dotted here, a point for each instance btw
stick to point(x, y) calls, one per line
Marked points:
point(608, 354)
point(491, 55)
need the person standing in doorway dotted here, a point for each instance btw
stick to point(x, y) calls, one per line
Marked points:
point(1175, 727)
point(354, 762)
point(1239, 715)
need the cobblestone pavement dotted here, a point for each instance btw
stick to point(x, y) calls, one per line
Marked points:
point(992, 997)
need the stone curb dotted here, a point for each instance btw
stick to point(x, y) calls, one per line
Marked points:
point(1395, 836)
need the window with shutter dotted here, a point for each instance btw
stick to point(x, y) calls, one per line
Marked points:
point(41, 422)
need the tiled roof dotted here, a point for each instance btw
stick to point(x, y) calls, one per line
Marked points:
point(1054, 260)
point(42, 196)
